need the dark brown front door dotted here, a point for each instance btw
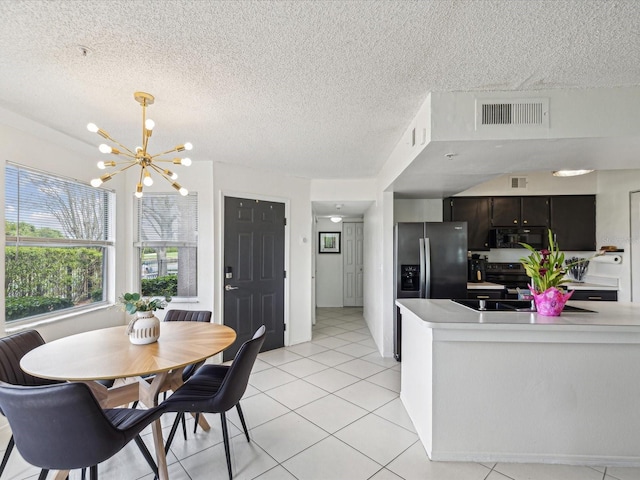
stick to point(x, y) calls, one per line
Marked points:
point(254, 270)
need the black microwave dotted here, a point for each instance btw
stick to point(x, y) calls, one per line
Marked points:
point(513, 237)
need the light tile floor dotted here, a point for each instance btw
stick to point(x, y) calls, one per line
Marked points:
point(328, 409)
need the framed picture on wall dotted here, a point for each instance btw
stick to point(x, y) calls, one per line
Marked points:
point(329, 242)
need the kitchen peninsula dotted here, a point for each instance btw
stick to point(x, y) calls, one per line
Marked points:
point(520, 387)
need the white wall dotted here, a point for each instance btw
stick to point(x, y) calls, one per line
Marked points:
point(538, 183)
point(343, 190)
point(373, 258)
point(417, 210)
point(329, 269)
point(574, 113)
point(198, 178)
point(231, 180)
point(613, 224)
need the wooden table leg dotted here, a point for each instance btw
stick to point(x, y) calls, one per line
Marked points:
point(149, 396)
point(61, 475)
point(202, 422)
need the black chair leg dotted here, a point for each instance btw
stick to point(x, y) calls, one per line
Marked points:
point(43, 474)
point(195, 427)
point(7, 452)
point(146, 454)
point(172, 433)
point(184, 425)
point(225, 436)
point(93, 472)
point(244, 425)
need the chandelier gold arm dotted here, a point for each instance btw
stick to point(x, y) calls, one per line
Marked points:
point(108, 137)
point(179, 148)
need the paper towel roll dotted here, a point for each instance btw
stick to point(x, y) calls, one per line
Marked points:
point(617, 259)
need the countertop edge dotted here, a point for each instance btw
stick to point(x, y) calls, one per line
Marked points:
point(609, 317)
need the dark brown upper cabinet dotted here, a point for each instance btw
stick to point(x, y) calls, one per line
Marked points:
point(573, 221)
point(520, 211)
point(476, 211)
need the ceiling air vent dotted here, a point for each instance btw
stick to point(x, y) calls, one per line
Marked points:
point(522, 112)
point(518, 182)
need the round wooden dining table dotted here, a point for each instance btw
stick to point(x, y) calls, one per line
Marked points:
point(107, 354)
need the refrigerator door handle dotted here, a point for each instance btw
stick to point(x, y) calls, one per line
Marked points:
point(422, 270)
point(427, 268)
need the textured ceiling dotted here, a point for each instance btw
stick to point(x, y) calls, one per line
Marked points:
point(320, 89)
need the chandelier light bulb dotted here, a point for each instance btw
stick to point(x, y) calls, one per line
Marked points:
point(183, 191)
point(138, 149)
point(96, 182)
point(170, 174)
point(104, 148)
point(186, 162)
point(149, 124)
point(92, 127)
point(138, 191)
point(101, 165)
point(188, 146)
point(148, 181)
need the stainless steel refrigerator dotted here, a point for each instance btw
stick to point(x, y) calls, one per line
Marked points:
point(430, 262)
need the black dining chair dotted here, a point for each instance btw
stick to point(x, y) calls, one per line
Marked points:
point(217, 389)
point(189, 370)
point(188, 316)
point(12, 349)
point(63, 427)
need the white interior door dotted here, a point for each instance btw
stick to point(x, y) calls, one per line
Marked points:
point(634, 209)
point(353, 259)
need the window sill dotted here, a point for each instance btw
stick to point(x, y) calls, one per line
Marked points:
point(177, 300)
point(20, 325)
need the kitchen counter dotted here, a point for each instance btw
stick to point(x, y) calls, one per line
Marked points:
point(484, 286)
point(521, 387)
point(569, 286)
point(446, 314)
point(588, 286)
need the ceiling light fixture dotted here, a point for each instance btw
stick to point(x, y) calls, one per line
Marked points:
point(140, 157)
point(336, 218)
point(570, 173)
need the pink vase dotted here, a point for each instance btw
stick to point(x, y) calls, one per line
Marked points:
point(551, 302)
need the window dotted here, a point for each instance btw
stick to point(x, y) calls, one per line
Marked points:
point(168, 244)
point(58, 233)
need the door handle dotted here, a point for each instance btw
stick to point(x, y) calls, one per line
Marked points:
point(228, 288)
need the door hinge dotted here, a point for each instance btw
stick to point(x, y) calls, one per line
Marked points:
point(285, 327)
point(285, 221)
point(285, 274)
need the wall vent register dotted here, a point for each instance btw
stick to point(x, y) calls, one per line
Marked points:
point(516, 112)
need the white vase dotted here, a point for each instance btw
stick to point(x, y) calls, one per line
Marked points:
point(144, 328)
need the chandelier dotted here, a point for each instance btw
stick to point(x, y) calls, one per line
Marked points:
point(140, 156)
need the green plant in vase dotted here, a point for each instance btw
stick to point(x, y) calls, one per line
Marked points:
point(134, 302)
point(144, 327)
point(547, 270)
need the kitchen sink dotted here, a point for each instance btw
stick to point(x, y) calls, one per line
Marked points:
point(495, 305)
